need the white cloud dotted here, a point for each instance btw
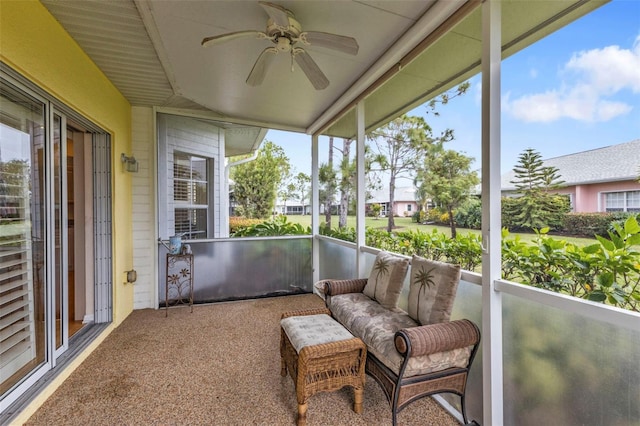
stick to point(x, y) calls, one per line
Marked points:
point(608, 110)
point(591, 78)
point(609, 69)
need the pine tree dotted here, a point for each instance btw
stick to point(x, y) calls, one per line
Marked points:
point(536, 207)
point(530, 172)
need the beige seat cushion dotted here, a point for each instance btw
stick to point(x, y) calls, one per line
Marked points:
point(386, 279)
point(310, 330)
point(376, 326)
point(433, 290)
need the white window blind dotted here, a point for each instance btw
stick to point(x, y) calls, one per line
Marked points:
point(17, 334)
point(190, 195)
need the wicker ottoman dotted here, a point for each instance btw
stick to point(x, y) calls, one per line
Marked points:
point(321, 356)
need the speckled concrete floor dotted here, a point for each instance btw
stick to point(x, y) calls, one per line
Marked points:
point(219, 365)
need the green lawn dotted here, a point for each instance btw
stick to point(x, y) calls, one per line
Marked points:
point(405, 224)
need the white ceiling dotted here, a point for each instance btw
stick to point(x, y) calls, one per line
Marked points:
point(215, 76)
point(151, 50)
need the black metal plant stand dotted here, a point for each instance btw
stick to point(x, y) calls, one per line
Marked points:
point(179, 280)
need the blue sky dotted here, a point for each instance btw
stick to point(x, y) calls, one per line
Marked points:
point(575, 90)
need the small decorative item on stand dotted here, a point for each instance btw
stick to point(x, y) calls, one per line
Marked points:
point(175, 244)
point(186, 249)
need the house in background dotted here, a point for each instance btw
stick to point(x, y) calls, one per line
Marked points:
point(598, 180)
point(292, 207)
point(404, 201)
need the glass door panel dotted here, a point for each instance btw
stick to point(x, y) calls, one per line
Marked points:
point(22, 236)
point(59, 197)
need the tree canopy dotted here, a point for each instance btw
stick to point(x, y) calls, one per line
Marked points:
point(447, 177)
point(400, 148)
point(255, 183)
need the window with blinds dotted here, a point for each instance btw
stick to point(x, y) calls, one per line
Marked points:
point(190, 195)
point(623, 201)
point(17, 334)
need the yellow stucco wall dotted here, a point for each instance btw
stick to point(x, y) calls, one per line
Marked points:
point(33, 43)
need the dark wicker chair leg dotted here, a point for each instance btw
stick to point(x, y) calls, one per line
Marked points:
point(394, 409)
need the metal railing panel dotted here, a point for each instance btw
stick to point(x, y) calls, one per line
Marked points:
point(337, 259)
point(562, 367)
point(234, 269)
point(468, 304)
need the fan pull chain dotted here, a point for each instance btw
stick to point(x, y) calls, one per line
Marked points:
point(291, 61)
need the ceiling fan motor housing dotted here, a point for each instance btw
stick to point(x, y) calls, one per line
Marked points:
point(284, 38)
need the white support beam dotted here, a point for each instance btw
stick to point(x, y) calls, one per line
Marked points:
point(492, 357)
point(361, 200)
point(315, 208)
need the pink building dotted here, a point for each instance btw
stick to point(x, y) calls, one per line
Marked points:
point(404, 201)
point(599, 180)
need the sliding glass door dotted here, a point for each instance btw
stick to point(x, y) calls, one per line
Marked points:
point(55, 234)
point(23, 238)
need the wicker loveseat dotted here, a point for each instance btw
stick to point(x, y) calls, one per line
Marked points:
point(410, 354)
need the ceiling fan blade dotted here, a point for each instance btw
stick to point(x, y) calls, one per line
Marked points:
point(330, 41)
point(209, 41)
point(278, 13)
point(310, 69)
point(259, 70)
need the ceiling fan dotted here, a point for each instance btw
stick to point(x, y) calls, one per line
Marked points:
point(287, 36)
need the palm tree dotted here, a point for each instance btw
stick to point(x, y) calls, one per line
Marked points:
point(381, 267)
point(424, 279)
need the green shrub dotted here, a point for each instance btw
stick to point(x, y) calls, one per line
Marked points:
point(508, 205)
point(346, 234)
point(443, 219)
point(620, 218)
point(419, 217)
point(469, 215)
point(465, 250)
point(275, 227)
point(535, 210)
point(433, 214)
point(237, 222)
point(591, 224)
point(607, 271)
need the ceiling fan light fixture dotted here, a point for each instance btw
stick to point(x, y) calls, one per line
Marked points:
point(283, 44)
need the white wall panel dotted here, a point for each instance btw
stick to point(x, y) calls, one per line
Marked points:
point(191, 136)
point(144, 202)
